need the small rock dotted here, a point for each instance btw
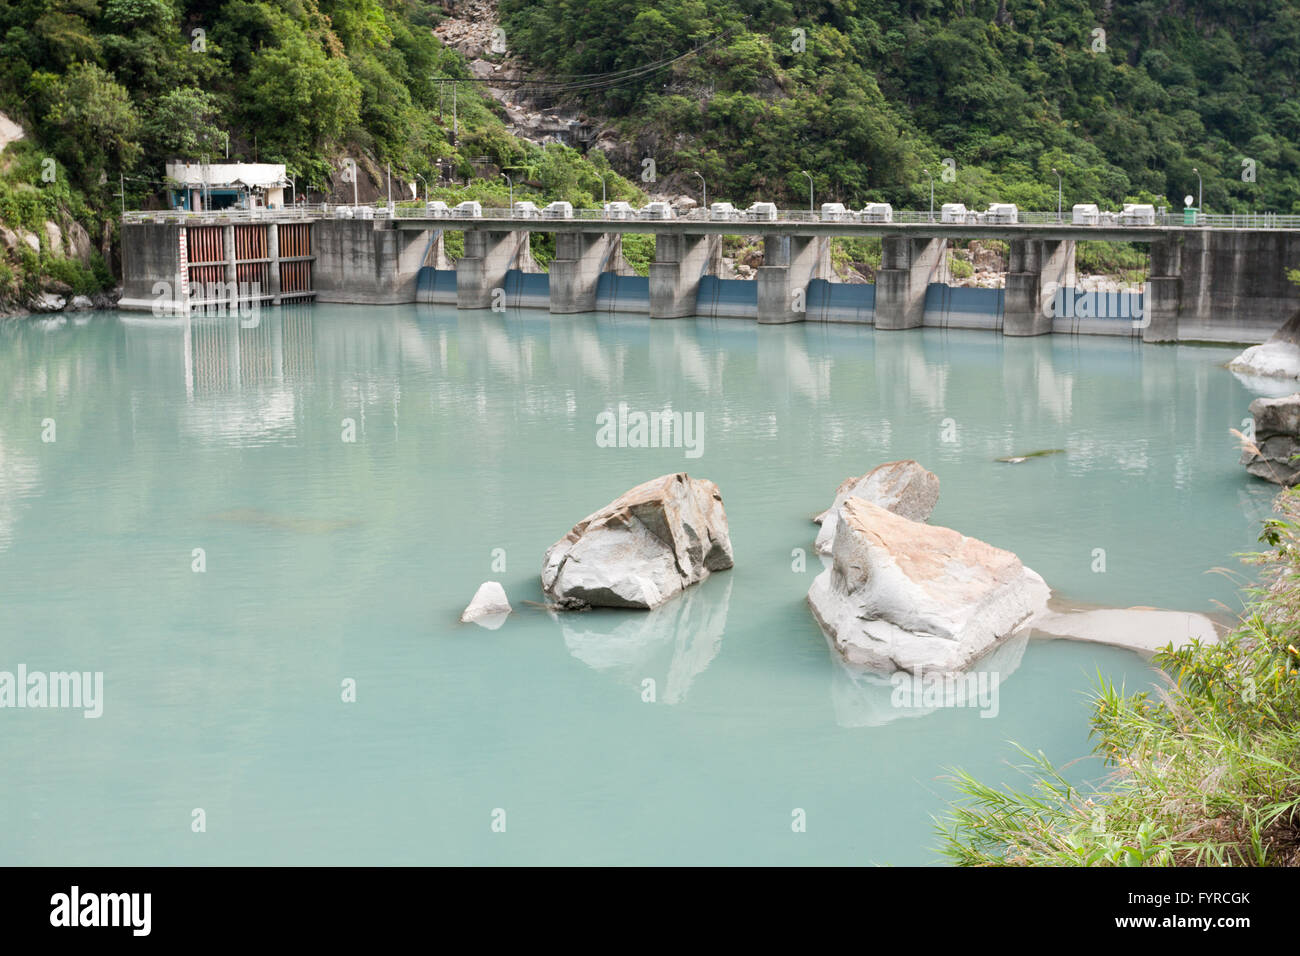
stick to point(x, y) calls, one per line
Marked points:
point(489, 607)
point(82, 303)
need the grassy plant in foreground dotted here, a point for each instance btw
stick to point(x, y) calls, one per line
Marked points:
point(1206, 771)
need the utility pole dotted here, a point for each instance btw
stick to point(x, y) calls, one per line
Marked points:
point(931, 178)
point(1058, 196)
point(455, 124)
point(390, 185)
point(121, 186)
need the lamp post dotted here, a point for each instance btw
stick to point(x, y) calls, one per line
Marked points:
point(1058, 195)
point(293, 192)
point(426, 187)
point(931, 178)
point(1200, 196)
point(810, 189)
point(602, 186)
point(512, 194)
point(704, 187)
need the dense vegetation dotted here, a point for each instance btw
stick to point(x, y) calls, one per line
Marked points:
point(111, 89)
point(1207, 773)
point(870, 96)
point(1008, 89)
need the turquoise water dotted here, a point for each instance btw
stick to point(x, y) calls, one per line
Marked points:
point(329, 561)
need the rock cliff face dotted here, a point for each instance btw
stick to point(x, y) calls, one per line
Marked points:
point(642, 548)
point(901, 595)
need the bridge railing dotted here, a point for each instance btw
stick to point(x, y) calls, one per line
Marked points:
point(418, 210)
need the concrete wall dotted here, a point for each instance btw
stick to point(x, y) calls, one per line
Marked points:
point(150, 254)
point(1234, 284)
point(366, 261)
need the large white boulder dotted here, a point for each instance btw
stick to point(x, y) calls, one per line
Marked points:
point(1277, 360)
point(902, 595)
point(642, 548)
point(489, 607)
point(903, 487)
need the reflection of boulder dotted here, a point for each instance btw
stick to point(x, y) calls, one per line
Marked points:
point(643, 548)
point(687, 631)
point(903, 487)
point(868, 698)
point(1276, 441)
point(910, 596)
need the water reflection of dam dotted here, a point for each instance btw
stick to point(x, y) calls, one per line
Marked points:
point(227, 353)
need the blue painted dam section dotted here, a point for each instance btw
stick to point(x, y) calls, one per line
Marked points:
point(946, 306)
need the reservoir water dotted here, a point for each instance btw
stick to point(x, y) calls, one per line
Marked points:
point(128, 444)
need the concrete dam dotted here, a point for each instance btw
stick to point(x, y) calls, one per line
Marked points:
point(1204, 283)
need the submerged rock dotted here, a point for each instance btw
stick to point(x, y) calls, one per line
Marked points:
point(1277, 439)
point(904, 595)
point(642, 548)
point(903, 487)
point(1142, 629)
point(489, 607)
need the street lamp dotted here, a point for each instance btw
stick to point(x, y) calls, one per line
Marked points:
point(602, 186)
point(931, 178)
point(512, 194)
point(810, 189)
point(426, 187)
point(1058, 195)
point(1200, 206)
point(293, 191)
point(704, 196)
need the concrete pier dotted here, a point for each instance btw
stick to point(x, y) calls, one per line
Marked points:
point(489, 255)
point(907, 267)
point(273, 253)
point(681, 259)
point(1164, 292)
point(789, 264)
point(1035, 270)
point(575, 271)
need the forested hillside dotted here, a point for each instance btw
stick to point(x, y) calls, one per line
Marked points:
point(110, 89)
point(1124, 97)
